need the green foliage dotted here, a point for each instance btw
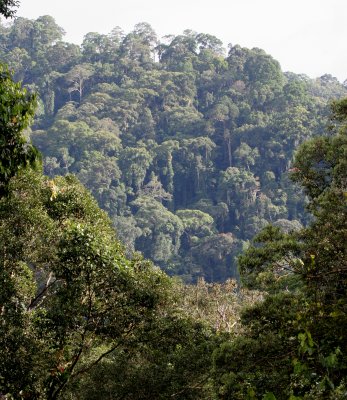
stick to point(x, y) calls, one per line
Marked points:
point(17, 108)
point(297, 333)
point(7, 8)
point(189, 152)
point(172, 361)
point(67, 285)
point(272, 265)
point(217, 133)
point(161, 230)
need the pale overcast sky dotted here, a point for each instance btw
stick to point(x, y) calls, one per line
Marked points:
point(305, 36)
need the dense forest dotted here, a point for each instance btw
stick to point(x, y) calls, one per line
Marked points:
point(137, 176)
point(186, 148)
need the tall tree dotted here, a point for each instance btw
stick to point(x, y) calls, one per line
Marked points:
point(77, 77)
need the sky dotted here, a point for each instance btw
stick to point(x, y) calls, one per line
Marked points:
point(305, 36)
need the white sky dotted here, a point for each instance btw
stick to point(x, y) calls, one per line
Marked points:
point(305, 36)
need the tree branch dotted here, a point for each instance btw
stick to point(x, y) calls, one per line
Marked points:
point(35, 302)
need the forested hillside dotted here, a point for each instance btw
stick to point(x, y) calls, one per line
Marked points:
point(187, 146)
point(191, 152)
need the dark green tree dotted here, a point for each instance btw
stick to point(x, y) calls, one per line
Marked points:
point(66, 286)
point(8, 8)
point(17, 107)
point(293, 345)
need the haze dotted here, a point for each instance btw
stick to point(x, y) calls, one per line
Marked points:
point(305, 36)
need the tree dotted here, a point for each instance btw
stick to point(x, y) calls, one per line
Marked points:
point(172, 361)
point(193, 165)
point(77, 77)
point(46, 32)
point(293, 345)
point(66, 286)
point(196, 223)
point(18, 60)
point(223, 115)
point(8, 8)
point(213, 255)
point(17, 108)
point(180, 53)
point(98, 48)
point(134, 162)
point(163, 160)
point(21, 34)
point(244, 155)
point(138, 46)
point(210, 42)
point(161, 229)
point(62, 55)
point(238, 188)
